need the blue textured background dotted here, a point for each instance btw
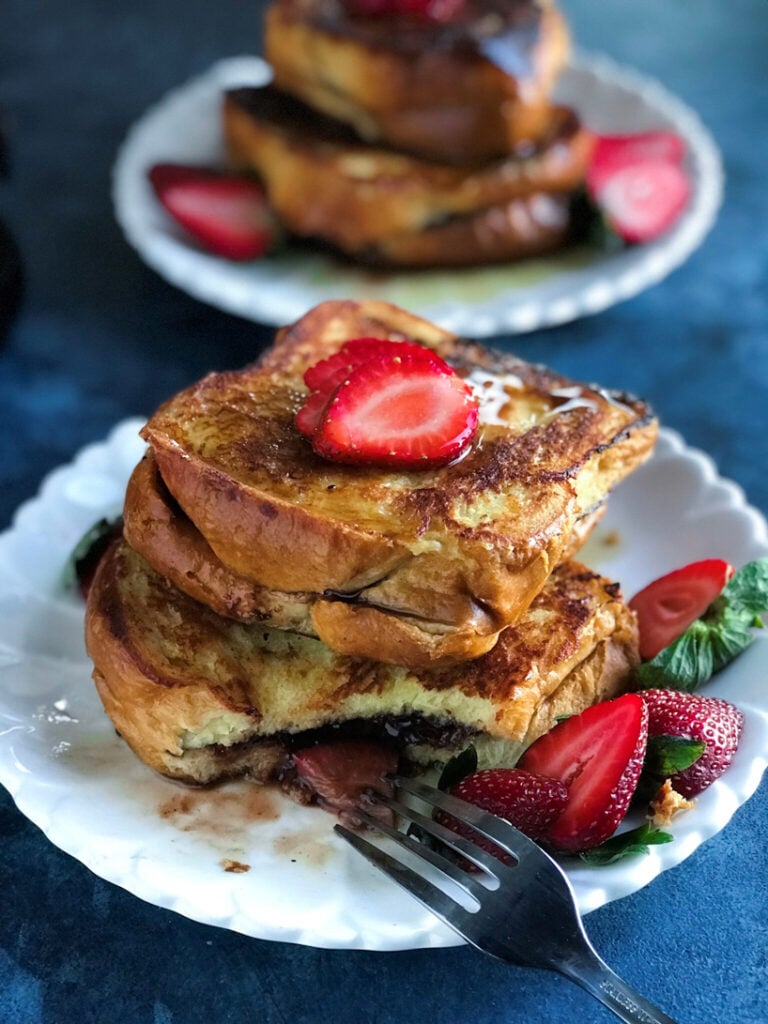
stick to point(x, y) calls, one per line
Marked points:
point(100, 337)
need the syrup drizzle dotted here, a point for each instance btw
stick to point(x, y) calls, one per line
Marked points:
point(495, 392)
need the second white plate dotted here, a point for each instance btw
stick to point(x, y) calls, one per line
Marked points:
point(477, 302)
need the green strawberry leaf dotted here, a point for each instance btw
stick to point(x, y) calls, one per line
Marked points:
point(89, 545)
point(714, 640)
point(747, 589)
point(454, 770)
point(626, 844)
point(664, 757)
point(667, 755)
point(590, 225)
point(458, 768)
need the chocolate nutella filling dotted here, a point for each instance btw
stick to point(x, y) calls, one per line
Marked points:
point(401, 730)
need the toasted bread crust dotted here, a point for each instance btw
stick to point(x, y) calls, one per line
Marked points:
point(532, 225)
point(194, 693)
point(157, 529)
point(432, 548)
point(325, 184)
point(438, 95)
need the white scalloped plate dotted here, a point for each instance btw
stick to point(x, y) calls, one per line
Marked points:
point(70, 774)
point(184, 127)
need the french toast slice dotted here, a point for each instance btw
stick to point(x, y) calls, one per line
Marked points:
point(156, 528)
point(471, 89)
point(533, 225)
point(200, 698)
point(324, 183)
point(421, 567)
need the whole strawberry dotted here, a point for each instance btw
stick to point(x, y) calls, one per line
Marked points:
point(715, 722)
point(529, 802)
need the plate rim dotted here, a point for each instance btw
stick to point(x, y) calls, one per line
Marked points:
point(671, 445)
point(202, 275)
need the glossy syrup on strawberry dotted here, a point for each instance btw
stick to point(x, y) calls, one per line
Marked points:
point(388, 404)
point(329, 373)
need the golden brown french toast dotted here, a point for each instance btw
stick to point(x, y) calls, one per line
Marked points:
point(324, 183)
point(418, 567)
point(533, 225)
point(471, 89)
point(155, 526)
point(200, 698)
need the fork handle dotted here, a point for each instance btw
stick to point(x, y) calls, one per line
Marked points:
point(601, 982)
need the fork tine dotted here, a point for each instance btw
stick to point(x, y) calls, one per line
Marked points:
point(506, 836)
point(434, 899)
point(531, 919)
point(436, 859)
point(492, 865)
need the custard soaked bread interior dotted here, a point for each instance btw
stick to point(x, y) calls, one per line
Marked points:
point(201, 698)
point(420, 568)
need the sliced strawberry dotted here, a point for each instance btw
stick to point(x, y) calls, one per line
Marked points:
point(715, 722)
point(642, 199)
point(340, 774)
point(329, 373)
point(410, 412)
point(228, 215)
point(431, 10)
point(310, 415)
point(599, 756)
point(614, 151)
point(529, 802)
point(668, 606)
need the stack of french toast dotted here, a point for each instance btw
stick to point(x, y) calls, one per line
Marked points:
point(265, 600)
point(414, 134)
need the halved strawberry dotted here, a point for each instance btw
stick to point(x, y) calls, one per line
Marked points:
point(228, 215)
point(715, 722)
point(613, 151)
point(327, 374)
point(668, 606)
point(598, 754)
point(529, 802)
point(641, 199)
point(411, 412)
point(342, 772)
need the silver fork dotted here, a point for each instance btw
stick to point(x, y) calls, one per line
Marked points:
point(530, 917)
